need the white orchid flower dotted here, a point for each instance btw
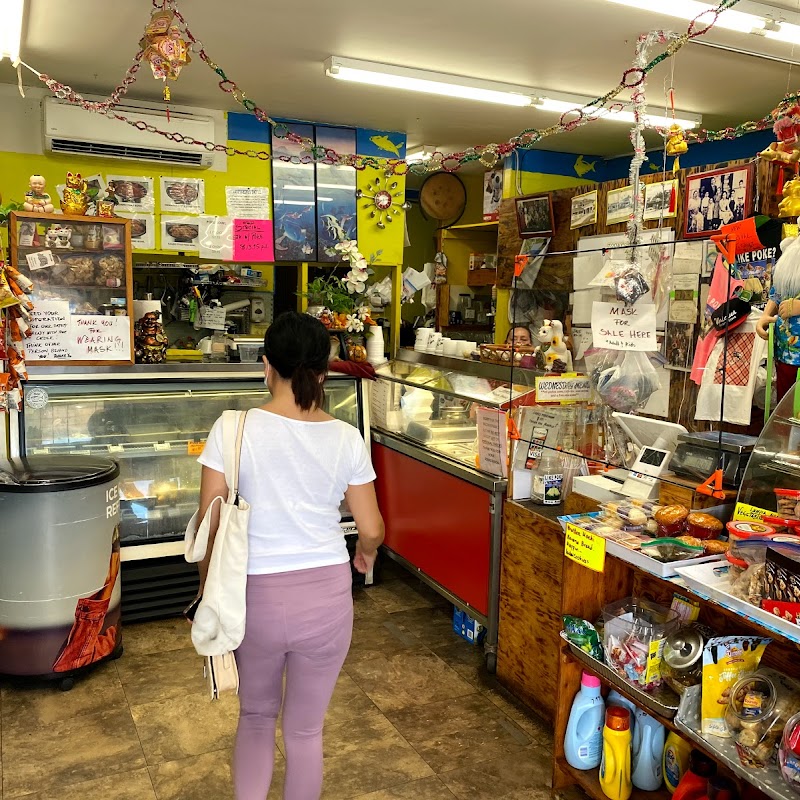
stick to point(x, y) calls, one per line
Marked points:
point(354, 324)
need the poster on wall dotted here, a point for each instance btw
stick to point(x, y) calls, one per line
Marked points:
point(584, 210)
point(183, 195)
point(679, 346)
point(133, 193)
point(619, 205)
point(336, 192)
point(143, 229)
point(180, 233)
point(755, 269)
point(492, 194)
point(717, 198)
point(660, 200)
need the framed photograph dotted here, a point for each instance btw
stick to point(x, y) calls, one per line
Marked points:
point(183, 195)
point(492, 194)
point(619, 206)
point(661, 199)
point(535, 216)
point(143, 230)
point(714, 199)
point(180, 233)
point(583, 210)
point(133, 193)
point(679, 346)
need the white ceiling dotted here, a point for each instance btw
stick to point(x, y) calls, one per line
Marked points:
point(275, 50)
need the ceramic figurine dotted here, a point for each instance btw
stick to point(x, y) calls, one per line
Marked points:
point(76, 198)
point(106, 206)
point(150, 341)
point(36, 198)
point(790, 205)
point(63, 236)
point(557, 357)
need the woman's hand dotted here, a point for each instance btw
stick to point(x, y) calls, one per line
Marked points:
point(762, 326)
point(364, 560)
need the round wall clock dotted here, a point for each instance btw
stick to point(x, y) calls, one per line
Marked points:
point(383, 197)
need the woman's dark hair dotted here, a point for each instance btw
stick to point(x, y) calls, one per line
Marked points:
point(297, 346)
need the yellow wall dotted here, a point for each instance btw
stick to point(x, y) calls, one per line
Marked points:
point(371, 238)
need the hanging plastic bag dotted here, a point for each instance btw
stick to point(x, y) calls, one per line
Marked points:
point(628, 386)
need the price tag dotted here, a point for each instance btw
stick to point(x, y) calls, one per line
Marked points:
point(195, 448)
point(746, 512)
point(115, 448)
point(161, 446)
point(40, 451)
point(40, 260)
point(585, 548)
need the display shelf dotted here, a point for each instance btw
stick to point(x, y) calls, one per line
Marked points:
point(482, 277)
point(663, 702)
point(153, 449)
point(474, 226)
point(687, 721)
point(785, 468)
point(589, 781)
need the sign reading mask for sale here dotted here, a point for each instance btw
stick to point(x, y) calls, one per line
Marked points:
point(616, 326)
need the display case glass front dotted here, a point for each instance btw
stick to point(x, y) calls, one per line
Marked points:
point(155, 431)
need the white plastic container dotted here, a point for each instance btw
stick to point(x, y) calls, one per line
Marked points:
point(583, 741)
point(647, 750)
point(248, 352)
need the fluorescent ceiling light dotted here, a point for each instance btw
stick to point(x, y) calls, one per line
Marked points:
point(656, 119)
point(297, 188)
point(416, 155)
point(748, 17)
point(417, 80)
point(11, 13)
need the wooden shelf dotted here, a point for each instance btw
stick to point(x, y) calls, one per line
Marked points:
point(482, 277)
point(589, 781)
point(475, 226)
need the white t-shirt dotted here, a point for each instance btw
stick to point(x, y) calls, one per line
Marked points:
point(294, 475)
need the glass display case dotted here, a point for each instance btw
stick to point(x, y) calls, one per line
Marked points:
point(154, 429)
point(772, 477)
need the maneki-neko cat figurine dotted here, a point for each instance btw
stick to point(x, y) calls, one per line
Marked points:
point(36, 198)
point(76, 198)
point(106, 206)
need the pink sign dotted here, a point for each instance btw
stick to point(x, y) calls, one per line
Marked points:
point(252, 240)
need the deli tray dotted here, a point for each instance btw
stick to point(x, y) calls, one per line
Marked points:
point(710, 581)
point(687, 721)
point(663, 701)
point(661, 569)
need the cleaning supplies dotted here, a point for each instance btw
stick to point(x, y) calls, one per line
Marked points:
point(676, 760)
point(694, 784)
point(614, 698)
point(583, 742)
point(647, 752)
point(615, 768)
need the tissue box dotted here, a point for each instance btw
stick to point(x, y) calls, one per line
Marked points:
point(467, 628)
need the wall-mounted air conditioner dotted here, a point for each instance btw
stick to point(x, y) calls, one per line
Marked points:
point(70, 130)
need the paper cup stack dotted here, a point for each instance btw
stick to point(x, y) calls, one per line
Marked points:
point(375, 351)
point(423, 339)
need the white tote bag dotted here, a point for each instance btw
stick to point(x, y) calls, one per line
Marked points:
point(219, 622)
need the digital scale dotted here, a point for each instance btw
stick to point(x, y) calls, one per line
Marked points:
point(697, 456)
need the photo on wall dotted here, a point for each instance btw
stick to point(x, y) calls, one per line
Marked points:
point(143, 230)
point(717, 198)
point(535, 216)
point(133, 193)
point(619, 205)
point(183, 195)
point(180, 233)
point(679, 346)
point(660, 200)
point(492, 194)
point(584, 210)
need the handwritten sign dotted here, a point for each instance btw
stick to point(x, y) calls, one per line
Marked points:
point(40, 260)
point(252, 240)
point(195, 448)
point(616, 326)
point(58, 336)
point(492, 446)
point(585, 548)
point(746, 512)
point(215, 239)
point(563, 389)
point(248, 202)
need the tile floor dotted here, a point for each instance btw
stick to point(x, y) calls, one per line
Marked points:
point(415, 716)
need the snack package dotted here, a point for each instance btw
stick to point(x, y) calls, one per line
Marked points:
point(725, 660)
point(584, 635)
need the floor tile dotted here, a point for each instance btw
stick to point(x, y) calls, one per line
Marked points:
point(466, 659)
point(185, 726)
point(366, 757)
point(508, 774)
point(424, 789)
point(401, 596)
point(43, 758)
point(134, 785)
point(349, 702)
point(458, 731)
point(38, 703)
point(375, 637)
point(161, 676)
point(408, 678)
point(157, 636)
point(539, 730)
point(433, 626)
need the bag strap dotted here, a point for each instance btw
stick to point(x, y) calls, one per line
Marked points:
point(770, 359)
point(238, 456)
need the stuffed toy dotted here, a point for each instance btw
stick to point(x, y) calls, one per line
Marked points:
point(790, 205)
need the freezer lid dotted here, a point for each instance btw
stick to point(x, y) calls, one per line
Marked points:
point(55, 473)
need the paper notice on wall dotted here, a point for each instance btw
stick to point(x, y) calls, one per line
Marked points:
point(683, 298)
point(58, 336)
point(584, 269)
point(248, 202)
point(252, 240)
point(215, 238)
point(212, 317)
point(492, 446)
point(616, 326)
point(688, 258)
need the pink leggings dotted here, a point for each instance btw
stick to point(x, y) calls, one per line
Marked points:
point(298, 623)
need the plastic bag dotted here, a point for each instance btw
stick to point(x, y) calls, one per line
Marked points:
point(628, 385)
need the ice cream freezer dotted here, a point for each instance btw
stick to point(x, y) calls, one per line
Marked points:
point(153, 421)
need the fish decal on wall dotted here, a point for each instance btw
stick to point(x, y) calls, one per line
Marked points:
point(385, 143)
point(582, 167)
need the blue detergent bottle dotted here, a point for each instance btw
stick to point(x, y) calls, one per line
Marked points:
point(583, 742)
point(647, 751)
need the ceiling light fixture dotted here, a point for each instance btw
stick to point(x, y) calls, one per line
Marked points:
point(748, 17)
point(475, 89)
point(416, 155)
point(11, 14)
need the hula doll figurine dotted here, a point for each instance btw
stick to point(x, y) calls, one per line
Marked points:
point(783, 309)
point(36, 198)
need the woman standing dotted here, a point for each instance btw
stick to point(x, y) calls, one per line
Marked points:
point(297, 465)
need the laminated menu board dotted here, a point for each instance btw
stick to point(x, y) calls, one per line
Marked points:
point(82, 294)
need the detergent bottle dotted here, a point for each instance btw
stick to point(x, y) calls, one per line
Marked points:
point(647, 752)
point(614, 698)
point(583, 741)
point(676, 760)
point(694, 784)
point(615, 768)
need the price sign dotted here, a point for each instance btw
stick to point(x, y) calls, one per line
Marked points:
point(195, 448)
point(585, 548)
point(161, 446)
point(746, 512)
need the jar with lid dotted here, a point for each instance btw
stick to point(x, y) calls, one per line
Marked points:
point(682, 659)
point(789, 753)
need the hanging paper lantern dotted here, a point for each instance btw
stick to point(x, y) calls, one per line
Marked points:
point(164, 47)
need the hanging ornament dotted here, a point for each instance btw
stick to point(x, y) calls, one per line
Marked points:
point(382, 199)
point(787, 132)
point(676, 145)
point(164, 47)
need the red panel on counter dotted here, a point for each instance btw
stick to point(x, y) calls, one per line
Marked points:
point(437, 522)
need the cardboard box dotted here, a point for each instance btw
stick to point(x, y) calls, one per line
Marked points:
point(467, 628)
